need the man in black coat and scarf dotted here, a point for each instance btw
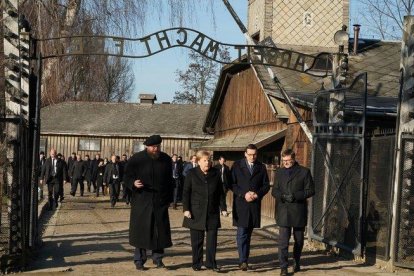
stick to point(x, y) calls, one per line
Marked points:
point(250, 185)
point(148, 175)
point(293, 185)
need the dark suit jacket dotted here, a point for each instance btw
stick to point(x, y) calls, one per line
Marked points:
point(187, 167)
point(247, 214)
point(300, 184)
point(202, 197)
point(70, 163)
point(78, 170)
point(111, 170)
point(227, 179)
point(47, 170)
point(88, 168)
point(122, 166)
point(41, 164)
point(94, 169)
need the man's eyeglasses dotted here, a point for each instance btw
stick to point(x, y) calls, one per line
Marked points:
point(288, 160)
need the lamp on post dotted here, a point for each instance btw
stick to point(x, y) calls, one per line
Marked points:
point(340, 66)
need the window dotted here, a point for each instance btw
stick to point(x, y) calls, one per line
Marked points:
point(256, 37)
point(43, 145)
point(195, 145)
point(90, 144)
point(138, 146)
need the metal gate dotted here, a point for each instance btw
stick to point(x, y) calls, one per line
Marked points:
point(377, 230)
point(338, 166)
point(19, 123)
point(404, 246)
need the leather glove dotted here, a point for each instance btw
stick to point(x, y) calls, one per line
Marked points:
point(288, 198)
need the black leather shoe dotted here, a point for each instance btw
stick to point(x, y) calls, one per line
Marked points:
point(296, 266)
point(244, 266)
point(215, 268)
point(284, 272)
point(159, 264)
point(139, 266)
point(196, 268)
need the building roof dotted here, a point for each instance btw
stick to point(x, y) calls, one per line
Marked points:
point(124, 119)
point(148, 97)
point(380, 59)
point(238, 142)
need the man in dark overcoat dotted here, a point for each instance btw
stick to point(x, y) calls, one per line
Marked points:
point(225, 176)
point(250, 185)
point(112, 179)
point(94, 171)
point(148, 175)
point(77, 173)
point(88, 173)
point(66, 179)
point(53, 173)
point(293, 185)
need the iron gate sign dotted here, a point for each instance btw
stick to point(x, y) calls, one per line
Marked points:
point(188, 38)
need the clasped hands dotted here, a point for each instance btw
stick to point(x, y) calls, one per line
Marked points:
point(187, 214)
point(250, 196)
point(138, 184)
point(288, 198)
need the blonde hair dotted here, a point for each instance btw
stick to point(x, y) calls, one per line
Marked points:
point(202, 153)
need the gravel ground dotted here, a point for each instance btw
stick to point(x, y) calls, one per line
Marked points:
point(85, 236)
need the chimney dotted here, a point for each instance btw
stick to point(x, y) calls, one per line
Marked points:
point(357, 27)
point(147, 98)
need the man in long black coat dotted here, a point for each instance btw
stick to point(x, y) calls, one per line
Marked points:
point(53, 173)
point(77, 173)
point(148, 175)
point(250, 185)
point(293, 185)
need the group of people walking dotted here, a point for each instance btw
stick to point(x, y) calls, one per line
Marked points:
point(99, 174)
point(154, 187)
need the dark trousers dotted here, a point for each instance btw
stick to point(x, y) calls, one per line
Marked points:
point(177, 190)
point(75, 182)
point(114, 191)
point(90, 183)
point(284, 237)
point(140, 255)
point(223, 200)
point(99, 185)
point(244, 235)
point(61, 191)
point(197, 240)
point(53, 190)
point(126, 193)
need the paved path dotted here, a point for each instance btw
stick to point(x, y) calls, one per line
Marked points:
point(84, 236)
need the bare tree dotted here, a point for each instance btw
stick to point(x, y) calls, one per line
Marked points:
point(199, 79)
point(118, 80)
point(51, 18)
point(386, 17)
